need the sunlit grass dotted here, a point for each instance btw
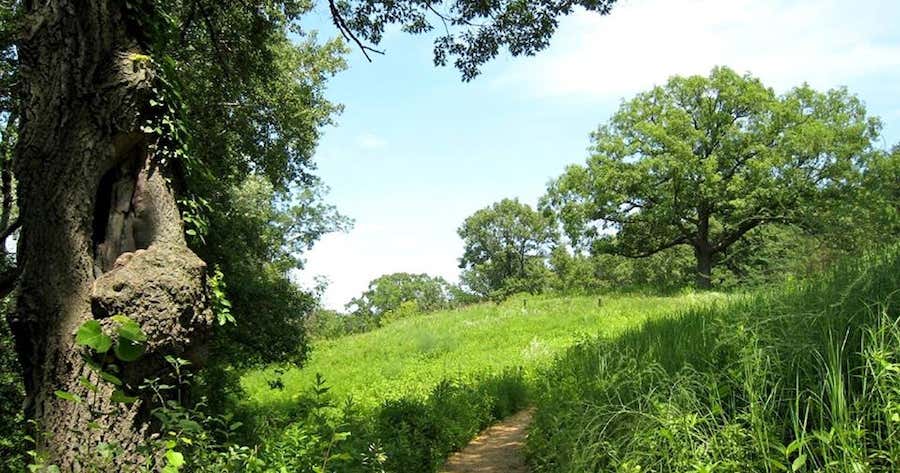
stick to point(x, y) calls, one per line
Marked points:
point(805, 377)
point(410, 356)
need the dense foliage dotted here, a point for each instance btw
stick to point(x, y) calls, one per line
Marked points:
point(505, 245)
point(388, 298)
point(408, 434)
point(391, 294)
point(704, 161)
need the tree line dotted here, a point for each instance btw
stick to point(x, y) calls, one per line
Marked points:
point(715, 179)
point(706, 181)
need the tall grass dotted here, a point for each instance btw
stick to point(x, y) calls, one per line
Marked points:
point(423, 386)
point(801, 378)
point(411, 356)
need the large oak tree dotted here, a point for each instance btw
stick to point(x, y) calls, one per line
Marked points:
point(702, 161)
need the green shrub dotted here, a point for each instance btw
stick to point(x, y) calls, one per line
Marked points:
point(404, 435)
point(12, 394)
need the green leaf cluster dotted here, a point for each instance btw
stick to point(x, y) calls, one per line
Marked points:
point(129, 341)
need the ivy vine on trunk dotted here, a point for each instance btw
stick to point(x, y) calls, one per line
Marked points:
point(100, 230)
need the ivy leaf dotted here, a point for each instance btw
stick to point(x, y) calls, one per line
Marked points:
point(67, 396)
point(119, 396)
point(129, 329)
point(91, 334)
point(128, 350)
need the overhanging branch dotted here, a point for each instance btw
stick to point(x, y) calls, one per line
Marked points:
point(347, 33)
point(681, 240)
point(9, 230)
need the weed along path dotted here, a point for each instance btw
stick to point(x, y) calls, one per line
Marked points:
point(496, 450)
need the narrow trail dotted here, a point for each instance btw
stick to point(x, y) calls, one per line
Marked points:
point(496, 450)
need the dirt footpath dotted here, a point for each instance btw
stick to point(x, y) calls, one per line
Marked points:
point(496, 450)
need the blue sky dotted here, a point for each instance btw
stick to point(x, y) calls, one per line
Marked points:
point(416, 151)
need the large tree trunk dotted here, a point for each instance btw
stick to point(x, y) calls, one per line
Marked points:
point(703, 251)
point(704, 267)
point(101, 234)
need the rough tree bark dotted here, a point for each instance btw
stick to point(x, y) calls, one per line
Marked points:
point(100, 231)
point(703, 250)
point(704, 267)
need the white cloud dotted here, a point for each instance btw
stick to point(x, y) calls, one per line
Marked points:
point(643, 42)
point(371, 141)
point(351, 260)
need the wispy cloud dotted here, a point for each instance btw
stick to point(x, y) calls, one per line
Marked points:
point(371, 141)
point(643, 42)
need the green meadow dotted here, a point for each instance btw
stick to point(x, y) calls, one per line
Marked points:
point(410, 356)
point(798, 376)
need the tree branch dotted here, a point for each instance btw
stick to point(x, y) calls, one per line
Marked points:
point(341, 25)
point(745, 226)
point(9, 230)
point(681, 240)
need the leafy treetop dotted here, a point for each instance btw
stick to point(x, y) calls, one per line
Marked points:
point(504, 248)
point(702, 161)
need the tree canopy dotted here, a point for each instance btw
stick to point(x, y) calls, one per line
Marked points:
point(703, 161)
point(504, 248)
point(388, 293)
point(473, 32)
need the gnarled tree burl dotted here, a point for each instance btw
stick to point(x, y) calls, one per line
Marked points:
point(101, 233)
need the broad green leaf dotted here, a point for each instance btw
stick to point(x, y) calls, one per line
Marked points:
point(119, 396)
point(129, 350)
point(129, 329)
point(175, 459)
point(91, 334)
point(68, 396)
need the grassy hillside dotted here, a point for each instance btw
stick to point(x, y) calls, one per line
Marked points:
point(805, 377)
point(801, 378)
point(409, 357)
point(422, 387)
